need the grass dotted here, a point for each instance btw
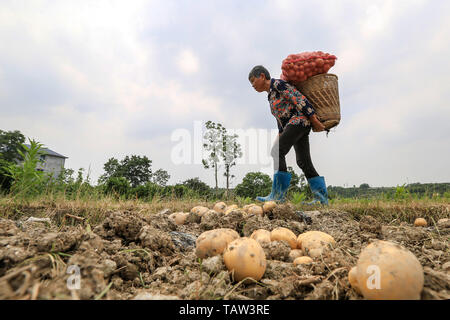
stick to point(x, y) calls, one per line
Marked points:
point(93, 210)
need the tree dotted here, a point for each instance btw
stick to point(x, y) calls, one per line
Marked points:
point(10, 144)
point(136, 169)
point(364, 186)
point(197, 185)
point(254, 184)
point(231, 150)
point(160, 177)
point(214, 145)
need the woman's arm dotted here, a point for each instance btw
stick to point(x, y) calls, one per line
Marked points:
point(316, 124)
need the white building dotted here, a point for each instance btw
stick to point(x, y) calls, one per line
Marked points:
point(51, 162)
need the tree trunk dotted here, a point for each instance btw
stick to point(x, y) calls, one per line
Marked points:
point(228, 176)
point(215, 173)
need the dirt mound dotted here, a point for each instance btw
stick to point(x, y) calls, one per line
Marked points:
point(144, 255)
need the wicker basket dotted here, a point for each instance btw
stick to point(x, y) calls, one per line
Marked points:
point(322, 91)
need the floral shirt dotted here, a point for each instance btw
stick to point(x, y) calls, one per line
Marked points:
point(288, 105)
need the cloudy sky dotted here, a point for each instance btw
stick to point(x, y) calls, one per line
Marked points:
point(99, 79)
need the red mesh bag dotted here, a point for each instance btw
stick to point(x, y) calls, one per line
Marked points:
point(299, 67)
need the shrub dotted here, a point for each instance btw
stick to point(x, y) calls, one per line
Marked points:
point(254, 184)
point(117, 185)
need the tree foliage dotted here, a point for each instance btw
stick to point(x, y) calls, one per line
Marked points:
point(160, 177)
point(136, 169)
point(254, 184)
point(10, 145)
point(197, 185)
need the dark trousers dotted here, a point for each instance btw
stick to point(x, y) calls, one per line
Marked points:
point(297, 136)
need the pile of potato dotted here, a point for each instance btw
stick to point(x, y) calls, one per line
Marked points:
point(384, 270)
point(244, 257)
point(301, 66)
point(180, 218)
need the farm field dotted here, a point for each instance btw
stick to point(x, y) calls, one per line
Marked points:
point(133, 250)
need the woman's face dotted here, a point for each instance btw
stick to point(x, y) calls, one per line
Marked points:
point(258, 83)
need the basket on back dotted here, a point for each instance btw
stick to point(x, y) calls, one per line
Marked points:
point(322, 91)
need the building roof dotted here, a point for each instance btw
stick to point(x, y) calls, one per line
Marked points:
point(50, 152)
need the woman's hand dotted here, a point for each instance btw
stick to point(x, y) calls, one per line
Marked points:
point(316, 124)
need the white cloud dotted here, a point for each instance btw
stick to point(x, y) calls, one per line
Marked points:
point(187, 61)
point(99, 79)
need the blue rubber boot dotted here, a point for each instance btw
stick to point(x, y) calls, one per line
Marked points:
point(319, 190)
point(284, 180)
point(280, 184)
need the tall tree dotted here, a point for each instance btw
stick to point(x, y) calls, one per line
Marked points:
point(214, 145)
point(231, 150)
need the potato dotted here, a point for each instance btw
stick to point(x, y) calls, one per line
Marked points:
point(261, 235)
point(256, 210)
point(314, 240)
point(443, 223)
point(294, 254)
point(214, 242)
point(199, 210)
point(247, 206)
point(280, 233)
point(420, 222)
point(179, 217)
point(231, 208)
point(352, 279)
point(220, 207)
point(388, 271)
point(269, 206)
point(244, 258)
point(315, 253)
point(303, 260)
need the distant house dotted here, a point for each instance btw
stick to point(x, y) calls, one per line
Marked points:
point(51, 162)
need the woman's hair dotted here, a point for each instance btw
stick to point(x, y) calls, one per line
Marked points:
point(256, 72)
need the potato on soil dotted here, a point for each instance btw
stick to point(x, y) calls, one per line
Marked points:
point(244, 257)
point(220, 207)
point(420, 222)
point(233, 206)
point(280, 233)
point(199, 210)
point(388, 271)
point(269, 206)
point(261, 235)
point(247, 206)
point(352, 279)
point(179, 217)
point(314, 240)
point(315, 253)
point(444, 223)
point(214, 242)
point(295, 253)
point(256, 210)
point(303, 260)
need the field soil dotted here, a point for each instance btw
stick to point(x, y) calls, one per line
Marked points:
point(139, 254)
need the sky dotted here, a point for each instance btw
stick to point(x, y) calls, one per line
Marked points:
point(98, 79)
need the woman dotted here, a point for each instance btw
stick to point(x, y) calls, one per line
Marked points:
point(295, 116)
